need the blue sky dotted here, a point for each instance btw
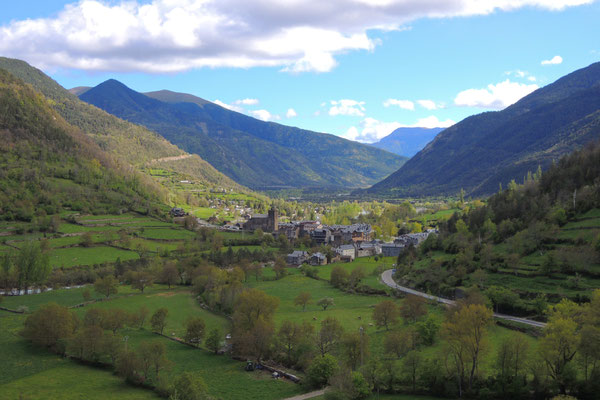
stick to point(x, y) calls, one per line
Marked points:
point(357, 69)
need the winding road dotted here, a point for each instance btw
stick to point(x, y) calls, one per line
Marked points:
point(386, 278)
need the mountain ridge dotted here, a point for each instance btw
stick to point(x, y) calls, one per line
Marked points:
point(254, 153)
point(407, 141)
point(486, 150)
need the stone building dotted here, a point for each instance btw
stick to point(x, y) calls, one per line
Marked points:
point(267, 222)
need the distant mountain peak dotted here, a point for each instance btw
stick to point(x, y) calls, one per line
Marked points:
point(407, 141)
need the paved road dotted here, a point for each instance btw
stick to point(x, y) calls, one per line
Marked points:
point(387, 279)
point(307, 395)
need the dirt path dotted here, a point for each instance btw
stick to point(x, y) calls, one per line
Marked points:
point(307, 395)
point(386, 278)
point(173, 158)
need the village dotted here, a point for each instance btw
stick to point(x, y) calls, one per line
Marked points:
point(346, 241)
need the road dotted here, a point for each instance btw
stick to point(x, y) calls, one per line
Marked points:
point(307, 395)
point(386, 278)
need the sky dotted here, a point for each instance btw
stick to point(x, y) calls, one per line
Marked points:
point(354, 68)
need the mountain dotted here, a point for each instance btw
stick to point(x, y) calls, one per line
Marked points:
point(486, 150)
point(79, 90)
point(130, 143)
point(254, 153)
point(407, 141)
point(48, 165)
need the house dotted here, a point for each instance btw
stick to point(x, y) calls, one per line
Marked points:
point(367, 249)
point(346, 252)
point(177, 212)
point(266, 222)
point(297, 257)
point(392, 249)
point(318, 259)
point(321, 236)
point(290, 230)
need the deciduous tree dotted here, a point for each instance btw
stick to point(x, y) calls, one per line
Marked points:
point(158, 321)
point(302, 299)
point(194, 331)
point(385, 314)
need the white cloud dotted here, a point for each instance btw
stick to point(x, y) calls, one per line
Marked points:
point(165, 36)
point(291, 113)
point(428, 104)
point(228, 106)
point(404, 104)
point(264, 115)
point(247, 102)
point(553, 61)
point(497, 96)
point(371, 130)
point(347, 107)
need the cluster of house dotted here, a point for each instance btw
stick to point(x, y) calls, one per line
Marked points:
point(348, 252)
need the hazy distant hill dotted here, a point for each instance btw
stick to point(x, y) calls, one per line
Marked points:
point(252, 152)
point(489, 149)
point(128, 142)
point(407, 141)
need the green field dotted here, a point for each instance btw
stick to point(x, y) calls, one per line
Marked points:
point(73, 256)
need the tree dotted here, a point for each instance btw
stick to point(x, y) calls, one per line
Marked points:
point(410, 366)
point(152, 354)
point(399, 342)
point(427, 330)
point(32, 266)
point(320, 370)
point(127, 365)
point(354, 348)
point(303, 299)
point(329, 335)
point(413, 307)
point(139, 318)
point(279, 268)
point(141, 280)
point(112, 346)
point(339, 277)
point(512, 356)
point(325, 302)
point(213, 340)
point(87, 240)
point(291, 336)
point(558, 347)
point(357, 275)
point(194, 331)
point(158, 321)
point(189, 386)
point(106, 286)
point(465, 332)
point(49, 326)
point(385, 314)
point(169, 273)
point(115, 319)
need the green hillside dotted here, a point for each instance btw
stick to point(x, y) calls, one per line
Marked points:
point(260, 155)
point(486, 150)
point(48, 165)
point(130, 143)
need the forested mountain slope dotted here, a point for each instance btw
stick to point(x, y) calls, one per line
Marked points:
point(47, 165)
point(489, 149)
point(131, 143)
point(252, 152)
point(407, 141)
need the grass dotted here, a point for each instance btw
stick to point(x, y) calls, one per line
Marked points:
point(367, 263)
point(74, 382)
point(166, 234)
point(73, 256)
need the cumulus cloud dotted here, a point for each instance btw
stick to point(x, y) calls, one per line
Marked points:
point(247, 102)
point(498, 96)
point(404, 104)
point(347, 107)
point(165, 36)
point(291, 113)
point(371, 130)
point(553, 61)
point(428, 104)
point(228, 106)
point(264, 115)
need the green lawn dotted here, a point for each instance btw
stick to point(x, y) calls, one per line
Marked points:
point(70, 257)
point(367, 263)
point(166, 234)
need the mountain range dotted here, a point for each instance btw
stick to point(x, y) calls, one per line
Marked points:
point(131, 144)
point(490, 149)
point(407, 141)
point(254, 153)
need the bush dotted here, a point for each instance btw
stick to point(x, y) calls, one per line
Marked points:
point(320, 370)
